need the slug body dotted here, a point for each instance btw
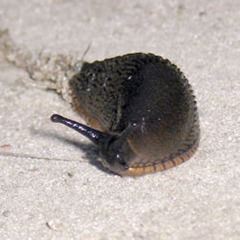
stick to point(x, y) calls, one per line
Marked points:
point(140, 110)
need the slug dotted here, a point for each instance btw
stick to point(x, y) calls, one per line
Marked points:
point(140, 111)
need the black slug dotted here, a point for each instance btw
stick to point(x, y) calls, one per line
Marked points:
point(141, 112)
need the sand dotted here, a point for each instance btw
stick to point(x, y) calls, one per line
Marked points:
point(48, 187)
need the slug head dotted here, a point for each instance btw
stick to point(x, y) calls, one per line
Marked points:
point(115, 150)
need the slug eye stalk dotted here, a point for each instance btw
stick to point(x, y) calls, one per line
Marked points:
point(94, 135)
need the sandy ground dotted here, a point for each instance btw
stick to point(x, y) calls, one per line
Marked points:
point(48, 188)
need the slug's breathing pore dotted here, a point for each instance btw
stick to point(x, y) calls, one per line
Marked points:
point(141, 113)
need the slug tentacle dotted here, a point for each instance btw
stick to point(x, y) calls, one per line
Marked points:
point(142, 108)
point(95, 136)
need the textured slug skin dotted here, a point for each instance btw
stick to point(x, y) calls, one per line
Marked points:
point(145, 91)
